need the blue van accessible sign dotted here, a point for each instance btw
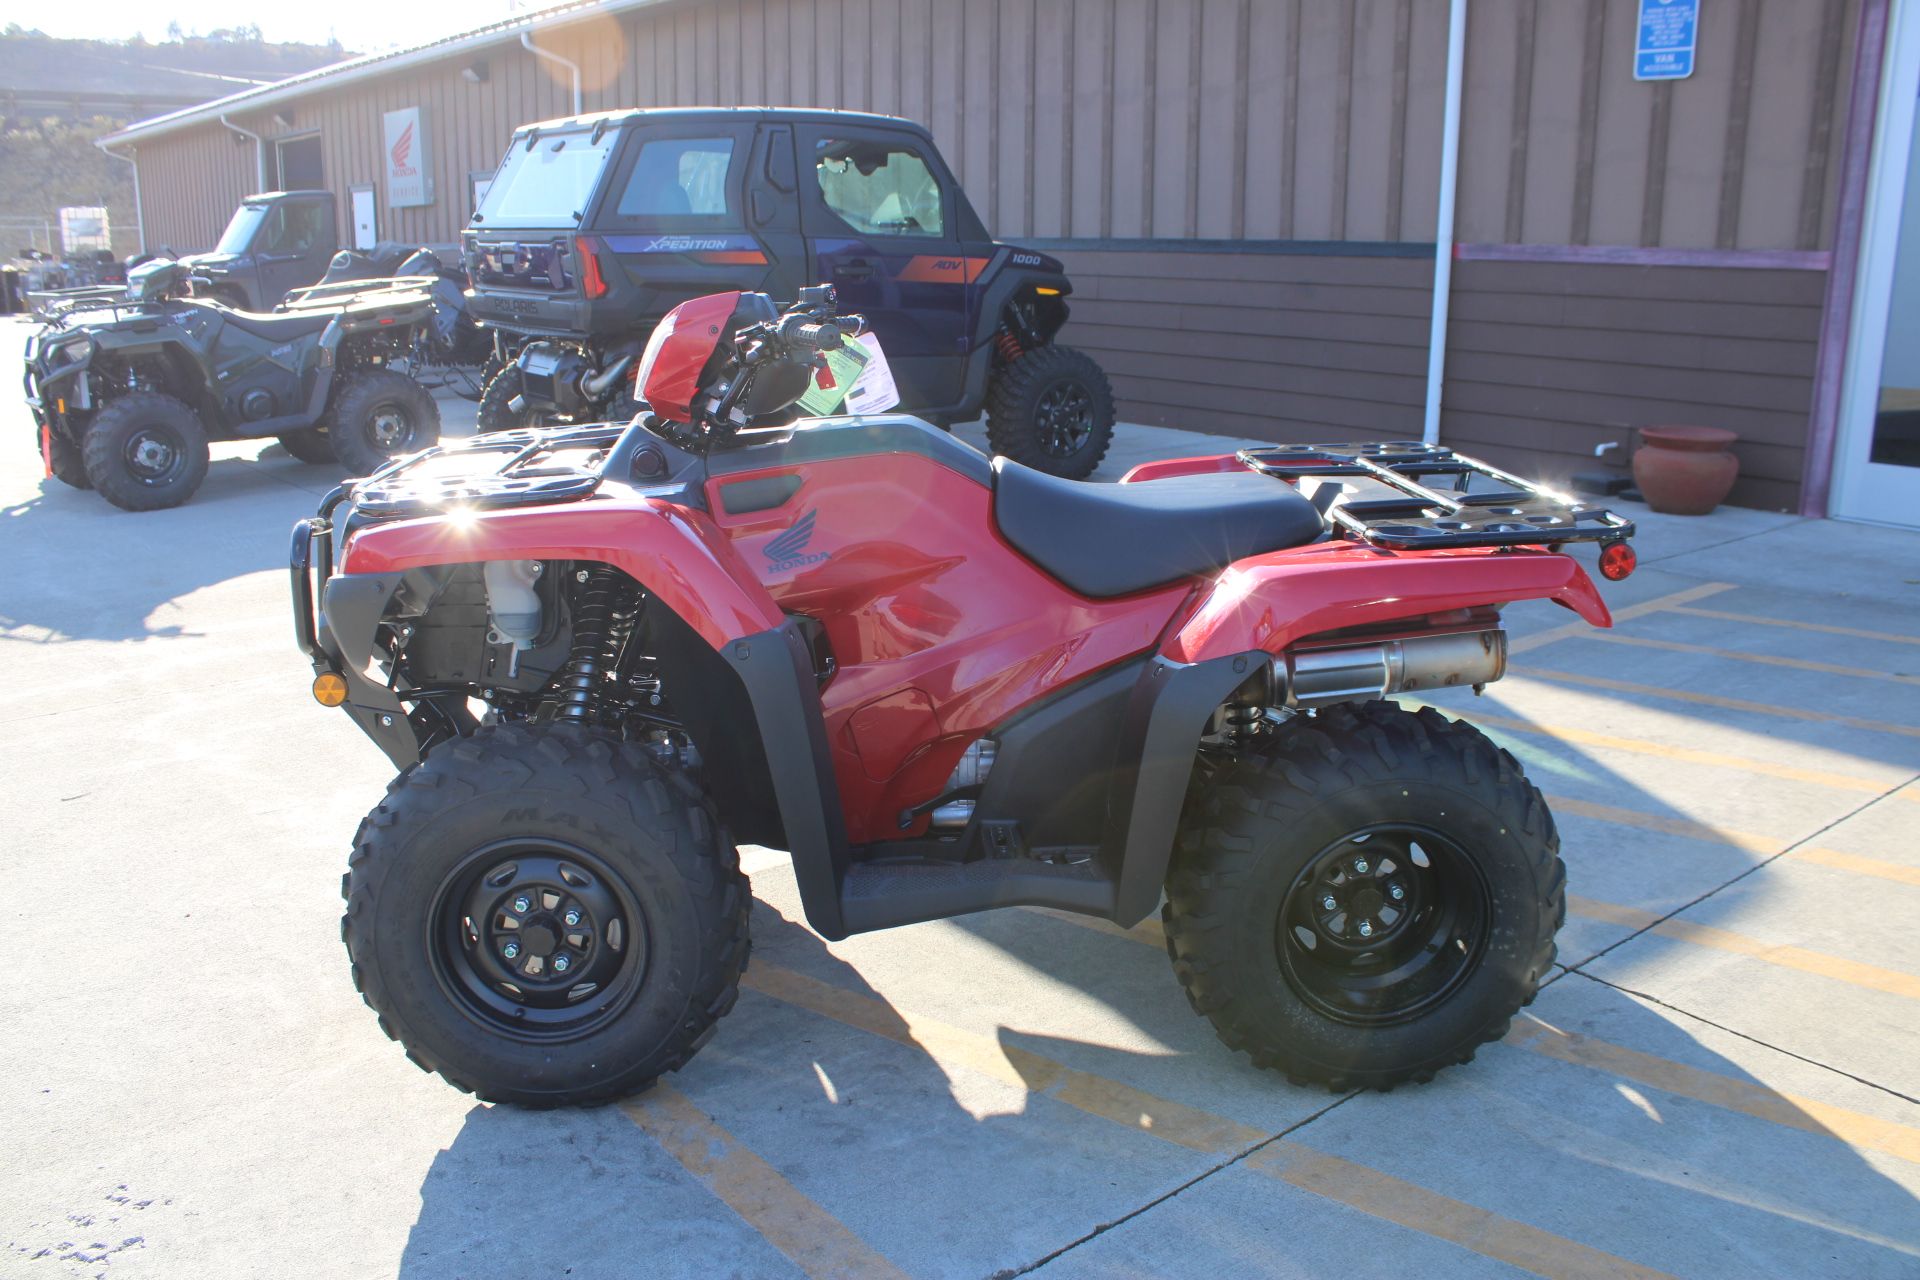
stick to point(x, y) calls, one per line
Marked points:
point(1668, 29)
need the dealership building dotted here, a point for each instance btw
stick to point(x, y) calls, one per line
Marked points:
point(1528, 229)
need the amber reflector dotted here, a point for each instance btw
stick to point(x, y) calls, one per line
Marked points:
point(329, 689)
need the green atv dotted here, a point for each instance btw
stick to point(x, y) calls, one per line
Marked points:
point(126, 394)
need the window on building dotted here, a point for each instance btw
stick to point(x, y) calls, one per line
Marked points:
point(880, 190)
point(681, 178)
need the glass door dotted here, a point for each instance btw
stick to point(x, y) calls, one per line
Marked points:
point(1878, 472)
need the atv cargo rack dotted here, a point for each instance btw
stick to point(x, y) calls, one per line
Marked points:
point(1420, 518)
point(342, 293)
point(534, 466)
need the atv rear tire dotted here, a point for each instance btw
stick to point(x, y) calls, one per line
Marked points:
point(145, 451)
point(1367, 900)
point(1052, 409)
point(65, 459)
point(378, 416)
point(548, 841)
point(311, 445)
point(494, 415)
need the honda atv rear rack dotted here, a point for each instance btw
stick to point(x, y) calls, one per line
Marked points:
point(533, 469)
point(1422, 518)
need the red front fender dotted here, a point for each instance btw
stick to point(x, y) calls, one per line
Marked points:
point(675, 552)
point(1269, 602)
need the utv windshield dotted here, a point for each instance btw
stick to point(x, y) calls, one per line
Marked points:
point(549, 183)
point(239, 233)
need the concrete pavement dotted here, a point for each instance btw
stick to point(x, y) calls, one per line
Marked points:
point(1722, 1080)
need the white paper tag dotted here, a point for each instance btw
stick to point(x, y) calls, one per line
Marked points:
point(873, 391)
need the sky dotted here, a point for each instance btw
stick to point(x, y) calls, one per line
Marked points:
point(366, 26)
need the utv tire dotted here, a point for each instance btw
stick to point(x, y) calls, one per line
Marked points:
point(65, 459)
point(494, 415)
point(531, 824)
point(145, 451)
point(378, 416)
point(311, 445)
point(1356, 806)
point(1052, 409)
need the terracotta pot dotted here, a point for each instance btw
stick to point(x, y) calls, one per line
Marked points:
point(1685, 471)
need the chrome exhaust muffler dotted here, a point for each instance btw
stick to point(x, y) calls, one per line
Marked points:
point(1312, 678)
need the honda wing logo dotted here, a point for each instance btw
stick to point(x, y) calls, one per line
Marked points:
point(403, 150)
point(789, 550)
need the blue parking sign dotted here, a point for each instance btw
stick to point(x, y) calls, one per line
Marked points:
point(1668, 29)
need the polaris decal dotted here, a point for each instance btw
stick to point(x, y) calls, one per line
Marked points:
point(789, 550)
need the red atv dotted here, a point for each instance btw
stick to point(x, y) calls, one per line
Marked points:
point(601, 655)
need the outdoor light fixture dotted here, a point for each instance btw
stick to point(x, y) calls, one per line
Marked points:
point(284, 119)
point(474, 73)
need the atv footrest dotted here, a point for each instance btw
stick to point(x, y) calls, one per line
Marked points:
point(1415, 516)
point(880, 895)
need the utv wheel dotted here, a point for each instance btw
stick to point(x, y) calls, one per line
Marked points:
point(1366, 901)
point(145, 451)
point(494, 415)
point(1052, 409)
point(69, 467)
point(545, 916)
point(311, 445)
point(378, 416)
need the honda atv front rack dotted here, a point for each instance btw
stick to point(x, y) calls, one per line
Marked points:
point(1419, 518)
point(533, 466)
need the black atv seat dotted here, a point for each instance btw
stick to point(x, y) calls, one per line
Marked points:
point(1114, 539)
point(279, 328)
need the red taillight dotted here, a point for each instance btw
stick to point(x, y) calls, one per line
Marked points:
point(1617, 561)
point(585, 252)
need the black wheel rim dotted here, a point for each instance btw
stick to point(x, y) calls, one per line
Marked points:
point(155, 456)
point(391, 427)
point(538, 940)
point(1383, 924)
point(1064, 417)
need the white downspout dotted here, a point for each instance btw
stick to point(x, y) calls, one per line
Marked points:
point(139, 214)
point(259, 153)
point(1443, 231)
point(526, 41)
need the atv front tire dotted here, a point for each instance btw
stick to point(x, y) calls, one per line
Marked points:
point(1052, 409)
point(379, 415)
point(311, 446)
point(545, 916)
point(1367, 900)
point(145, 451)
point(65, 459)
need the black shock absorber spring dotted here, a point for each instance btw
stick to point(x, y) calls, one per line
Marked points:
point(593, 610)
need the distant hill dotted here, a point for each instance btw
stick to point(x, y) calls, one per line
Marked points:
point(57, 96)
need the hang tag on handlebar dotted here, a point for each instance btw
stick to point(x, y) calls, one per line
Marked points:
point(823, 376)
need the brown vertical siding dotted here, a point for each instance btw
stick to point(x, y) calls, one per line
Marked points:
point(1546, 361)
point(1277, 346)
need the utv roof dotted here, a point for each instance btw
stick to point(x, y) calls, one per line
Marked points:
point(284, 195)
point(810, 115)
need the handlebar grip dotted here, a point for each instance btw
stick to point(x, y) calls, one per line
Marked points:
point(818, 337)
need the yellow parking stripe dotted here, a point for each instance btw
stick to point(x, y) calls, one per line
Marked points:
point(1897, 872)
point(1854, 1128)
point(1712, 700)
point(1565, 631)
point(1741, 655)
point(1374, 1193)
point(1662, 751)
point(1827, 629)
point(1787, 957)
point(816, 1241)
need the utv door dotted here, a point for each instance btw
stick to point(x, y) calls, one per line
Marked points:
point(677, 220)
point(292, 248)
point(883, 220)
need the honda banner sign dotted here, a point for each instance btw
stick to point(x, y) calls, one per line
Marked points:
point(408, 160)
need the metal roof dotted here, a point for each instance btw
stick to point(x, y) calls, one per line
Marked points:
point(370, 65)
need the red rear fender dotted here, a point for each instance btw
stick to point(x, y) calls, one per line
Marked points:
point(675, 552)
point(1269, 602)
